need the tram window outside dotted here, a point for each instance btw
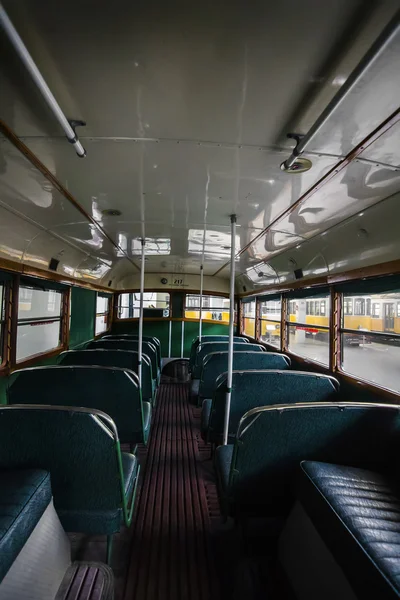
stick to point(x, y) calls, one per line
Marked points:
point(39, 321)
point(2, 316)
point(102, 314)
point(249, 318)
point(308, 328)
point(155, 305)
point(213, 308)
point(270, 322)
point(371, 341)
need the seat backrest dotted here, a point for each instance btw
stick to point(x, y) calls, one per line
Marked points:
point(217, 363)
point(208, 347)
point(211, 338)
point(111, 390)
point(272, 441)
point(124, 359)
point(79, 447)
point(148, 348)
point(133, 336)
point(251, 389)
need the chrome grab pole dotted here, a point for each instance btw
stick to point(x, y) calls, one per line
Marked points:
point(231, 326)
point(37, 77)
point(182, 338)
point(201, 302)
point(141, 314)
point(169, 338)
point(378, 47)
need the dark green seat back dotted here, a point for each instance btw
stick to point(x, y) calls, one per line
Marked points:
point(78, 448)
point(216, 363)
point(271, 443)
point(210, 338)
point(209, 347)
point(124, 359)
point(147, 348)
point(251, 389)
point(114, 391)
point(131, 336)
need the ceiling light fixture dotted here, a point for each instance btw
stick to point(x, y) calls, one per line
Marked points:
point(111, 212)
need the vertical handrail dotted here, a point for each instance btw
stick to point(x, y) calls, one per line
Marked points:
point(141, 313)
point(182, 337)
point(231, 326)
point(201, 302)
point(169, 338)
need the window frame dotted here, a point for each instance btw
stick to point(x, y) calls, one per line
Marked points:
point(4, 324)
point(190, 306)
point(63, 320)
point(108, 314)
point(116, 306)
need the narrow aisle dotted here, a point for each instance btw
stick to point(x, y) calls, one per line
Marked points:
point(171, 550)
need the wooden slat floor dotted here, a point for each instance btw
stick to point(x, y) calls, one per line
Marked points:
point(171, 555)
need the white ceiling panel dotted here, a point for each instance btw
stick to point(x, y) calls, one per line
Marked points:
point(176, 70)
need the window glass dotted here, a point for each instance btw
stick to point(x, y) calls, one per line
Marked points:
point(39, 321)
point(102, 314)
point(270, 326)
point(373, 358)
point(308, 328)
point(1, 321)
point(249, 318)
point(214, 308)
point(155, 304)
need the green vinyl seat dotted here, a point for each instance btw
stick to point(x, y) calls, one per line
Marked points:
point(256, 472)
point(93, 483)
point(114, 391)
point(209, 347)
point(148, 349)
point(216, 363)
point(133, 336)
point(25, 495)
point(124, 359)
point(254, 388)
point(211, 338)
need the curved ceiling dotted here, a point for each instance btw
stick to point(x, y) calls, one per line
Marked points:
point(186, 110)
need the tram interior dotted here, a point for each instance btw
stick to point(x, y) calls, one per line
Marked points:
point(199, 300)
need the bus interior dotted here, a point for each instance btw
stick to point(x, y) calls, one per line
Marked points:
point(199, 300)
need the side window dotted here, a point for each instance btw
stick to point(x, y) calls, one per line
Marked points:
point(213, 308)
point(249, 318)
point(370, 340)
point(270, 326)
point(39, 321)
point(2, 321)
point(307, 328)
point(102, 314)
point(155, 305)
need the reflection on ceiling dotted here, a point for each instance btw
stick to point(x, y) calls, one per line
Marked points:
point(186, 124)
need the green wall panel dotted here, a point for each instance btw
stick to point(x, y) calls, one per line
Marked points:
point(83, 311)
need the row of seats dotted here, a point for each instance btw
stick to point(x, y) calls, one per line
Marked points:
point(69, 420)
point(292, 437)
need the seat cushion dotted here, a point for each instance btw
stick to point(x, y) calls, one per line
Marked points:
point(25, 495)
point(205, 417)
point(129, 468)
point(223, 460)
point(357, 512)
point(194, 388)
